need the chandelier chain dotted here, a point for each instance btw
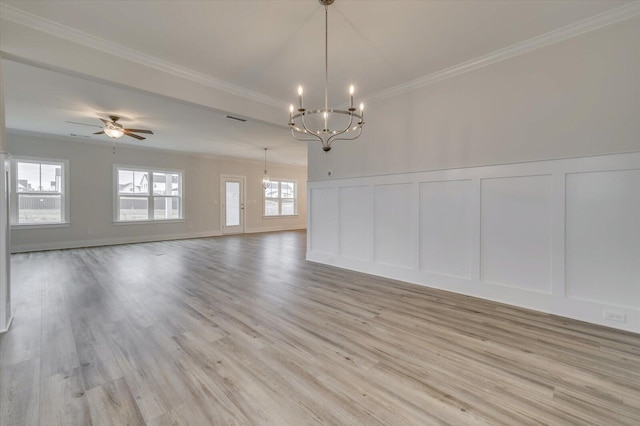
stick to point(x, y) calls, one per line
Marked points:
point(326, 60)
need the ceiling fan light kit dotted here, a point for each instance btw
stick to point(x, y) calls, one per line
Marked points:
point(113, 129)
point(304, 131)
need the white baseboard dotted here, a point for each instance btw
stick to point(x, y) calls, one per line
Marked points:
point(272, 229)
point(24, 248)
point(4, 330)
point(62, 245)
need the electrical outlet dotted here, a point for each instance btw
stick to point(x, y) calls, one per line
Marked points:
point(330, 173)
point(615, 316)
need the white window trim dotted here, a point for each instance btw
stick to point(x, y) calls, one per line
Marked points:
point(13, 211)
point(280, 216)
point(150, 196)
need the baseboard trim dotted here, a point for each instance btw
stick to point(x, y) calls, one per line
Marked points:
point(4, 330)
point(272, 229)
point(64, 245)
point(580, 310)
point(25, 248)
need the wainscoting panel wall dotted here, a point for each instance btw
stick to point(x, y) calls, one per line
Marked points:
point(324, 220)
point(356, 222)
point(392, 225)
point(603, 237)
point(516, 232)
point(446, 234)
point(559, 236)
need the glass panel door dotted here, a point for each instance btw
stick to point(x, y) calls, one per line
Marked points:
point(233, 203)
point(232, 199)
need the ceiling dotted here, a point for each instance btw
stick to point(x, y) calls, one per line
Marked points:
point(42, 101)
point(266, 48)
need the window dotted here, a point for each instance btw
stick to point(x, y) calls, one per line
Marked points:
point(280, 198)
point(144, 194)
point(39, 192)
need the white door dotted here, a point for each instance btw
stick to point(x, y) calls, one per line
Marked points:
point(232, 203)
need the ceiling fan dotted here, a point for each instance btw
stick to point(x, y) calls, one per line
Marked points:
point(114, 129)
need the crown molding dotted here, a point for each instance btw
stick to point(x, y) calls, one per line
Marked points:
point(612, 16)
point(21, 17)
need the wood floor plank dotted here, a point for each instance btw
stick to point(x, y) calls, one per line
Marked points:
point(242, 330)
point(23, 343)
point(112, 404)
point(20, 393)
point(63, 400)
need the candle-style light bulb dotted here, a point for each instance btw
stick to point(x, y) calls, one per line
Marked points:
point(351, 91)
point(361, 113)
point(362, 107)
point(291, 113)
point(300, 96)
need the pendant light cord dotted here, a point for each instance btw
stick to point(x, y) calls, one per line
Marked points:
point(326, 59)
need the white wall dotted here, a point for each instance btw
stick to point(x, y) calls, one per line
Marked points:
point(91, 194)
point(497, 183)
point(577, 97)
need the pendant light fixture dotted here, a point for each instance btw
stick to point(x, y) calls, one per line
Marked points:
point(350, 127)
point(265, 175)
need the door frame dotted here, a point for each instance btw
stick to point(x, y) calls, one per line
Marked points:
point(223, 203)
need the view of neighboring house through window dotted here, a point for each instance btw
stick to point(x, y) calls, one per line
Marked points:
point(39, 191)
point(148, 194)
point(280, 198)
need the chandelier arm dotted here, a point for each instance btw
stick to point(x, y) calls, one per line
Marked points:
point(304, 125)
point(316, 138)
point(348, 139)
point(345, 130)
point(296, 130)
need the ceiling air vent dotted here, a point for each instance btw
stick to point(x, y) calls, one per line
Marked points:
point(231, 117)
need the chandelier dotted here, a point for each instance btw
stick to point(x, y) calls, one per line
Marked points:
point(315, 124)
point(265, 175)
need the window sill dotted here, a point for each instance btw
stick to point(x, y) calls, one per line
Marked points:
point(146, 222)
point(280, 216)
point(15, 226)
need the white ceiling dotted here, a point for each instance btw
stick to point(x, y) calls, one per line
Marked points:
point(269, 47)
point(42, 101)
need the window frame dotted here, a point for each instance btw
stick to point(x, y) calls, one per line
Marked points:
point(149, 196)
point(14, 211)
point(279, 199)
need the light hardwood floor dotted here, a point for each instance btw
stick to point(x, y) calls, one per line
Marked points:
point(242, 330)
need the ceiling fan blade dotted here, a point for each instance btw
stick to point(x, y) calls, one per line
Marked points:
point(83, 124)
point(104, 121)
point(139, 131)
point(140, 138)
point(99, 133)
